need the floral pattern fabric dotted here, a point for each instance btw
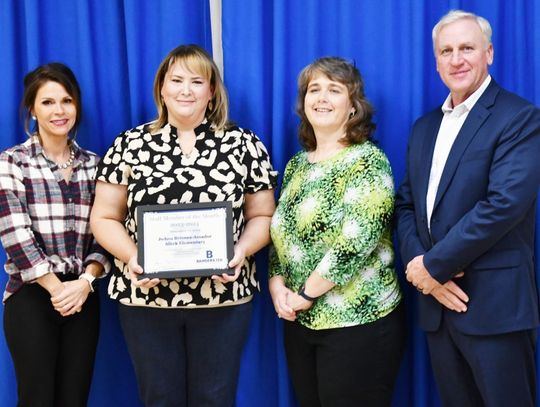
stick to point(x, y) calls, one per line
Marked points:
point(334, 217)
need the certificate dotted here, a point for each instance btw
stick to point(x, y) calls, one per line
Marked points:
point(185, 240)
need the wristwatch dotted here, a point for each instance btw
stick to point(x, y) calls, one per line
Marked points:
point(302, 293)
point(92, 281)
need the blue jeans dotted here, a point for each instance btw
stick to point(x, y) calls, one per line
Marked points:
point(186, 357)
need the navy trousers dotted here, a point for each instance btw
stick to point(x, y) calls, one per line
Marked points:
point(490, 370)
point(186, 357)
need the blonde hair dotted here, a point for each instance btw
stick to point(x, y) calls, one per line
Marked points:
point(197, 60)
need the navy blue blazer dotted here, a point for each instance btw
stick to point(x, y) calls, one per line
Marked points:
point(483, 219)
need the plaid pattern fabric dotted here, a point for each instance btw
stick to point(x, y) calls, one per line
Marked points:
point(44, 221)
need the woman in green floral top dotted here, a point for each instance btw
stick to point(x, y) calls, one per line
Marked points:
point(332, 264)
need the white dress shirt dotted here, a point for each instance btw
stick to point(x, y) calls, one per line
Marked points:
point(451, 124)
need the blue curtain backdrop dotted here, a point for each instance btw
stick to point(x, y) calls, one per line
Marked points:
point(114, 48)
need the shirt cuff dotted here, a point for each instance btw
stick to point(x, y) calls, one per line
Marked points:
point(39, 270)
point(101, 259)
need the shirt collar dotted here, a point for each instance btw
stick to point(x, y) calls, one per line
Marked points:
point(34, 146)
point(203, 127)
point(36, 149)
point(469, 103)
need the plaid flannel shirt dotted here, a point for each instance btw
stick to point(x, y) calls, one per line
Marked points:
point(44, 221)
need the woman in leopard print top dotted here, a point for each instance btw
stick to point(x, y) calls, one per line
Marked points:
point(185, 335)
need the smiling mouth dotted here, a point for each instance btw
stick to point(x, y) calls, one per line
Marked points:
point(322, 110)
point(60, 122)
point(459, 73)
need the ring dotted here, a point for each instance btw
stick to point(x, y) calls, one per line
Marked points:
point(279, 315)
point(419, 289)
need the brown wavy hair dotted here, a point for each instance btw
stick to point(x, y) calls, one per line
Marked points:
point(34, 80)
point(360, 126)
point(197, 60)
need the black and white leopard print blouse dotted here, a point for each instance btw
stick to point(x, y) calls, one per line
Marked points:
point(223, 165)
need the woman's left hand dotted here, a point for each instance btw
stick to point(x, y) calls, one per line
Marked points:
point(237, 262)
point(72, 297)
point(280, 293)
point(298, 303)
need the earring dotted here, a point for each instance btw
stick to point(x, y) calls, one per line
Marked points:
point(34, 117)
point(353, 112)
point(210, 106)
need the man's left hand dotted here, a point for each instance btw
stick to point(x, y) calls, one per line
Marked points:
point(419, 276)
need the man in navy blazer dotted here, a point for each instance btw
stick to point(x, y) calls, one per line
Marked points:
point(466, 217)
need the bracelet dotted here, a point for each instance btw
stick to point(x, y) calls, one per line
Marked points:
point(90, 279)
point(302, 293)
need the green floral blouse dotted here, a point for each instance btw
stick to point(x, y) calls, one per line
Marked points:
point(335, 217)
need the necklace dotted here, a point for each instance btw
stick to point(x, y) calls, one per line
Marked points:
point(63, 166)
point(69, 162)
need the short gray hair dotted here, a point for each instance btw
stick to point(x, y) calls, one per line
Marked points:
point(454, 15)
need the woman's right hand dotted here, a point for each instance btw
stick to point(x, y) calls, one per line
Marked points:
point(71, 298)
point(280, 294)
point(134, 269)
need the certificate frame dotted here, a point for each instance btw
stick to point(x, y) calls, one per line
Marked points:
point(152, 253)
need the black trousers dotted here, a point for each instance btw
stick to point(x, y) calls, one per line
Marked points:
point(53, 355)
point(345, 367)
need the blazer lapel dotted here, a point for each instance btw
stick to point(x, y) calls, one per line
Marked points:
point(477, 116)
point(426, 158)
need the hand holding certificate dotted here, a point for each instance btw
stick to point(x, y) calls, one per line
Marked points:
point(185, 240)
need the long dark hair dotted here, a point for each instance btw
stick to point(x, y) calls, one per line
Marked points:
point(34, 80)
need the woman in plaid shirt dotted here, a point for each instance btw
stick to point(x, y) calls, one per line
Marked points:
point(51, 317)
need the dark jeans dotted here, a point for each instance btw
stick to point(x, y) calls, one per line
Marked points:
point(488, 370)
point(186, 357)
point(53, 355)
point(345, 367)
